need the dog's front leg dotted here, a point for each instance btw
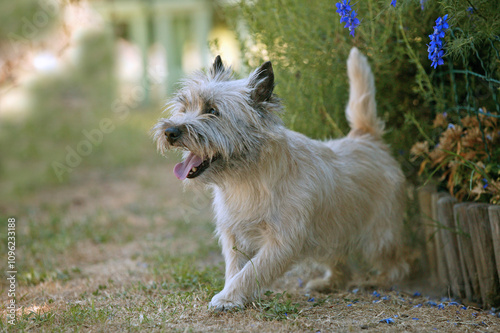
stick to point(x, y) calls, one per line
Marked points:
point(270, 262)
point(232, 258)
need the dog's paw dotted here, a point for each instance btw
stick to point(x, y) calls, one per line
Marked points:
point(325, 285)
point(319, 285)
point(222, 303)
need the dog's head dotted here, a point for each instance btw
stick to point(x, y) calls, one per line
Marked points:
point(219, 122)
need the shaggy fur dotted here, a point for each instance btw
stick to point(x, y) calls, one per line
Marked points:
point(280, 197)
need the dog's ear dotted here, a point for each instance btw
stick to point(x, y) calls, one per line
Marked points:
point(217, 68)
point(262, 82)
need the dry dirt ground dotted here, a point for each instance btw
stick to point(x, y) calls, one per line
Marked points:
point(132, 251)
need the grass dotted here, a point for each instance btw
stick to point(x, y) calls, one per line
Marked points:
point(277, 306)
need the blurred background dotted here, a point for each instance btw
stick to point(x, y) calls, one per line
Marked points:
point(81, 82)
point(81, 85)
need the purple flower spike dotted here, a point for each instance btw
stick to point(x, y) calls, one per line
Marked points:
point(435, 48)
point(343, 8)
point(347, 15)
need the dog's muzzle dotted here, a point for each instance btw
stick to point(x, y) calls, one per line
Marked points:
point(173, 134)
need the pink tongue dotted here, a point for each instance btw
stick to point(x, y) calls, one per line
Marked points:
point(181, 170)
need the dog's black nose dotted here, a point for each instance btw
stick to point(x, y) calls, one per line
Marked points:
point(173, 134)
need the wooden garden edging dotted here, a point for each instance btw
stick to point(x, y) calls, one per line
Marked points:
point(462, 246)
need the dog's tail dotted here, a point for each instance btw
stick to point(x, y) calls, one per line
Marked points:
point(361, 111)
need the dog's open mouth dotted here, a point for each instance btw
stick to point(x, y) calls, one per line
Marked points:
point(192, 166)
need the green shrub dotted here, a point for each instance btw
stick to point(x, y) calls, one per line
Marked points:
point(309, 47)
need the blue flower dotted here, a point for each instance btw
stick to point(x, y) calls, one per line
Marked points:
point(441, 306)
point(393, 3)
point(485, 183)
point(431, 303)
point(435, 48)
point(376, 294)
point(344, 7)
point(422, 4)
point(347, 15)
point(387, 321)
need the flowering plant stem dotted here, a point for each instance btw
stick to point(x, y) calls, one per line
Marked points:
point(414, 121)
point(427, 87)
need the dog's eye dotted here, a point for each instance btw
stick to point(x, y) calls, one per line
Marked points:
point(213, 111)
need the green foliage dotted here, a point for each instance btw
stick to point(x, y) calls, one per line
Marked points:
point(478, 21)
point(277, 307)
point(309, 46)
point(462, 141)
point(309, 49)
